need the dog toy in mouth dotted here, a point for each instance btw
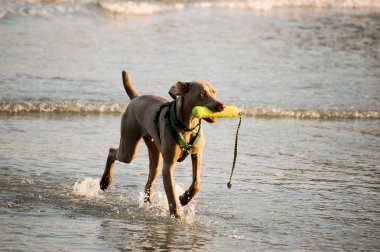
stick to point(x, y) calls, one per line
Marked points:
point(204, 112)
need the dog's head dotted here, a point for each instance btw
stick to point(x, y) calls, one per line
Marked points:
point(198, 93)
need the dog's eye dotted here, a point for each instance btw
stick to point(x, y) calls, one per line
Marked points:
point(203, 94)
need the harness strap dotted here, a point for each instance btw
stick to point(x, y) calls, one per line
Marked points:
point(158, 117)
point(179, 140)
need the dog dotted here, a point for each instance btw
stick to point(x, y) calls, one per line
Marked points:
point(170, 132)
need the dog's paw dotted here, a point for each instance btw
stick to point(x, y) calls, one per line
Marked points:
point(183, 200)
point(147, 199)
point(103, 185)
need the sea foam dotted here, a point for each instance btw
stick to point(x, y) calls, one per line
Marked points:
point(63, 106)
point(310, 113)
point(138, 8)
point(150, 8)
point(266, 5)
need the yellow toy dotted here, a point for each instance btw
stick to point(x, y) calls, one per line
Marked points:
point(204, 112)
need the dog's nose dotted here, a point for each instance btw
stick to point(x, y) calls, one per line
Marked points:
point(220, 107)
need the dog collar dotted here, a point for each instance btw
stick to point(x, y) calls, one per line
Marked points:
point(178, 122)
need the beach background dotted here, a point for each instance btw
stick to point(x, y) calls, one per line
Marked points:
point(305, 74)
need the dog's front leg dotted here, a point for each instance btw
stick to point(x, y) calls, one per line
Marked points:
point(196, 184)
point(168, 177)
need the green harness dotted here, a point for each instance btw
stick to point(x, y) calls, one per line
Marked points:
point(170, 119)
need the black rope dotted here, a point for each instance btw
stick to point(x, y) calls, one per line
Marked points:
point(229, 184)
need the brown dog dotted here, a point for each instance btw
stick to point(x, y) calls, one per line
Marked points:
point(163, 131)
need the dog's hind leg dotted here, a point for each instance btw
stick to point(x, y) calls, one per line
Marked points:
point(154, 167)
point(126, 152)
point(196, 184)
point(108, 170)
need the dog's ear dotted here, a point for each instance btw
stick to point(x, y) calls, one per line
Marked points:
point(179, 89)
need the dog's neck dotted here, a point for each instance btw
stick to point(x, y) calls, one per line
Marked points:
point(185, 113)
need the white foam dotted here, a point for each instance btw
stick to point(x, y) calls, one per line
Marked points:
point(150, 8)
point(138, 8)
point(87, 187)
point(27, 181)
point(235, 236)
point(312, 113)
point(265, 5)
point(64, 106)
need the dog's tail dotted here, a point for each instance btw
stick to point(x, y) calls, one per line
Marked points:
point(131, 91)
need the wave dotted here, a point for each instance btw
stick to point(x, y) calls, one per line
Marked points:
point(46, 106)
point(40, 8)
point(149, 7)
point(56, 107)
point(126, 7)
point(138, 8)
point(312, 113)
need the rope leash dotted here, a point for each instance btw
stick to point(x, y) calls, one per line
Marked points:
point(229, 184)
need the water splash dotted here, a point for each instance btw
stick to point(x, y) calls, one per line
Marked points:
point(160, 205)
point(87, 187)
point(235, 236)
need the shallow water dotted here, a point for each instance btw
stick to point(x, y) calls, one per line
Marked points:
point(298, 185)
point(305, 77)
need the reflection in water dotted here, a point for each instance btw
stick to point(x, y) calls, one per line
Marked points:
point(152, 233)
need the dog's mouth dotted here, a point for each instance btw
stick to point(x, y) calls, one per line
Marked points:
point(215, 108)
point(210, 119)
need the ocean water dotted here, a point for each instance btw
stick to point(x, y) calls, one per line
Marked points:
point(305, 74)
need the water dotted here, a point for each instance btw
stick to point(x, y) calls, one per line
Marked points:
point(304, 73)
